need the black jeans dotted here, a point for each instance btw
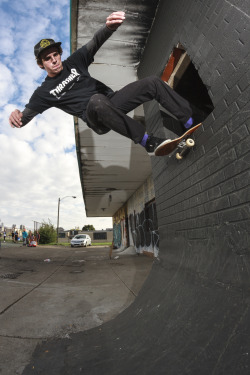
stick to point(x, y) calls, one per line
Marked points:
point(110, 113)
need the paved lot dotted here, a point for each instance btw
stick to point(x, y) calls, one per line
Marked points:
point(76, 290)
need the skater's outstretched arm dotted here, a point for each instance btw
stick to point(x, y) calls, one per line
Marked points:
point(18, 119)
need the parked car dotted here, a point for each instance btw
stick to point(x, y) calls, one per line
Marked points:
point(81, 240)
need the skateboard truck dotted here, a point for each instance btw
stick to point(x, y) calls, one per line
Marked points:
point(185, 148)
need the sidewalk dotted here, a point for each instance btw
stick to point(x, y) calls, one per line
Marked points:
point(76, 290)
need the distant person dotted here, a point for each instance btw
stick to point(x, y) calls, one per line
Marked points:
point(16, 236)
point(25, 237)
point(30, 236)
point(69, 87)
point(32, 240)
point(37, 238)
point(13, 236)
point(4, 236)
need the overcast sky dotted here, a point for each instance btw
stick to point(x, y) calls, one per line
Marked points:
point(38, 163)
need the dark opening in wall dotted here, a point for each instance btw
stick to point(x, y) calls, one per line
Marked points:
point(181, 74)
point(100, 235)
point(191, 87)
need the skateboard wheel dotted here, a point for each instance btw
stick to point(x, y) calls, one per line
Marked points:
point(178, 156)
point(190, 142)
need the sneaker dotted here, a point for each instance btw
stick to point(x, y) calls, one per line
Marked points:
point(153, 143)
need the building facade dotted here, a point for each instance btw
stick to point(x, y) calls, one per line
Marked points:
point(202, 50)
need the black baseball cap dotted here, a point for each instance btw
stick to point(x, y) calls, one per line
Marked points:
point(45, 44)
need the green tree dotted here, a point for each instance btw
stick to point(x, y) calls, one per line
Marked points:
point(48, 233)
point(88, 227)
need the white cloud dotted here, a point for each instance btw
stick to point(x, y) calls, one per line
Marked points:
point(6, 39)
point(7, 85)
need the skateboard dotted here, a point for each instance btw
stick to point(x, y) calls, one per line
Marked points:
point(184, 143)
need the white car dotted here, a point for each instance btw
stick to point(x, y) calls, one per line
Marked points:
point(81, 240)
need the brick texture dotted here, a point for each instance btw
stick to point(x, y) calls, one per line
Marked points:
point(206, 196)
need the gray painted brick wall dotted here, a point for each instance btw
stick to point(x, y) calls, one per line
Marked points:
point(203, 201)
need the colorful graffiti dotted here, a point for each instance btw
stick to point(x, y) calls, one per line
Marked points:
point(120, 234)
point(117, 235)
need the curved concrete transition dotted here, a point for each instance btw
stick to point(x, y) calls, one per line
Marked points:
point(191, 317)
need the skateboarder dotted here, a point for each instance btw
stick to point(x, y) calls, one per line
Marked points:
point(69, 87)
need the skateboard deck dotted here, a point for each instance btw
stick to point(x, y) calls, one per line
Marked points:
point(171, 145)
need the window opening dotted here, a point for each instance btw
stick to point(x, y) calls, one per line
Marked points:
point(100, 236)
point(181, 74)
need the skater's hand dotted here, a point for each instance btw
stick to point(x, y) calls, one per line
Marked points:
point(15, 119)
point(115, 20)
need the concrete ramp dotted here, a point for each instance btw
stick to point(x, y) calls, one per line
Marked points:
point(191, 317)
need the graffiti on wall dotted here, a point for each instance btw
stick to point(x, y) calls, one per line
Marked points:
point(120, 234)
point(120, 228)
point(117, 235)
point(140, 230)
point(144, 229)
